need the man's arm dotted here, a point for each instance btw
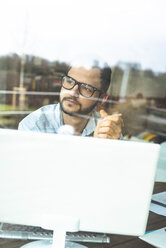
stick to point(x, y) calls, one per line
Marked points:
point(109, 127)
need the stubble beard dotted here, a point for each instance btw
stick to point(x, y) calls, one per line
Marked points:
point(78, 112)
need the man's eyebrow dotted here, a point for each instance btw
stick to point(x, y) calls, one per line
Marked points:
point(72, 78)
point(75, 80)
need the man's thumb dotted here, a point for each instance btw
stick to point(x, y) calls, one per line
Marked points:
point(103, 113)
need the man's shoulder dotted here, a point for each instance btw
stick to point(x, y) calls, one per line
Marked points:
point(43, 111)
point(50, 107)
point(40, 118)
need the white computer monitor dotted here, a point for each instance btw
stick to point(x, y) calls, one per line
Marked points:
point(69, 183)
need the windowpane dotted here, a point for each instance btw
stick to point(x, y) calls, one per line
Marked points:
point(38, 47)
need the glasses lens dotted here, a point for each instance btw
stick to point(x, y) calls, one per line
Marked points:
point(86, 90)
point(68, 83)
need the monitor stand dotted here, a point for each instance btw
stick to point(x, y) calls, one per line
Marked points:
point(57, 242)
point(48, 244)
point(60, 225)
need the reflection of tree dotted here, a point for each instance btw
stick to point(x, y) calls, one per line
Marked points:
point(39, 75)
point(149, 74)
point(10, 62)
point(144, 107)
point(145, 88)
point(139, 96)
point(146, 82)
point(42, 75)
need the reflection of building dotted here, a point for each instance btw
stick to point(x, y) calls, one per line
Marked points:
point(38, 81)
point(29, 73)
point(37, 61)
point(124, 84)
point(3, 75)
point(144, 99)
point(129, 81)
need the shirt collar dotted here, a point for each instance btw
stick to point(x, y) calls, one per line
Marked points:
point(90, 127)
point(58, 116)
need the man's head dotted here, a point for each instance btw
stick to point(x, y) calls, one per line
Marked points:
point(82, 89)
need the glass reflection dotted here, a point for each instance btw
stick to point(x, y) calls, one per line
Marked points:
point(30, 82)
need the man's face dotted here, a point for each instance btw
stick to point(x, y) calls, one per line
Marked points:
point(72, 102)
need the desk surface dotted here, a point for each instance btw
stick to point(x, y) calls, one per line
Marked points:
point(119, 241)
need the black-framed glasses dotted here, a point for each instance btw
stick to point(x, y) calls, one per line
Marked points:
point(85, 90)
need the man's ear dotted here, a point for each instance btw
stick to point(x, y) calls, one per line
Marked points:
point(102, 101)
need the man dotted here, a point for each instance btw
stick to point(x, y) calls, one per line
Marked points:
point(82, 90)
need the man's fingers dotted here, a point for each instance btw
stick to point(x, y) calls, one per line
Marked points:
point(110, 121)
point(115, 118)
point(114, 130)
point(104, 123)
point(104, 136)
point(103, 113)
point(109, 127)
point(107, 121)
point(103, 130)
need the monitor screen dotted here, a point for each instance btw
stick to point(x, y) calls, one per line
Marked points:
point(51, 180)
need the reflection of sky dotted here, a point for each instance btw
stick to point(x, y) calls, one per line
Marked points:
point(131, 31)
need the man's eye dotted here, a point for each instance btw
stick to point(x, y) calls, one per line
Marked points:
point(69, 81)
point(86, 88)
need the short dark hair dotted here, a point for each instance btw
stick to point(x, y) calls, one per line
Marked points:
point(105, 78)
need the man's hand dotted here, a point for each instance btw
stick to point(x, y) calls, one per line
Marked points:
point(109, 127)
